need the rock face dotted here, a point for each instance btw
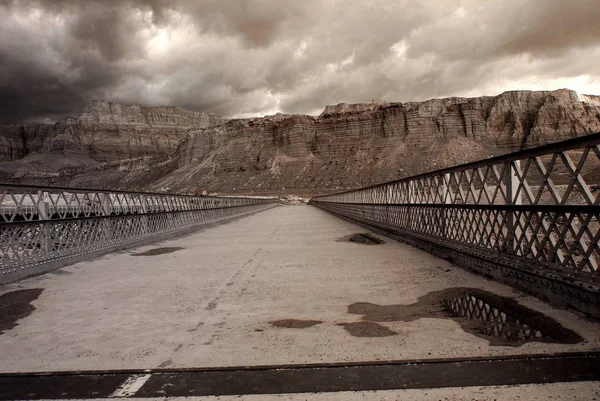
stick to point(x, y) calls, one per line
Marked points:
point(106, 132)
point(17, 141)
point(346, 146)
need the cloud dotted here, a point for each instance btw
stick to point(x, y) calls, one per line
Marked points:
point(256, 57)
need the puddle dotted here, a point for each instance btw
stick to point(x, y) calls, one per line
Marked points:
point(500, 320)
point(362, 238)
point(295, 323)
point(367, 329)
point(61, 272)
point(16, 305)
point(158, 251)
point(166, 363)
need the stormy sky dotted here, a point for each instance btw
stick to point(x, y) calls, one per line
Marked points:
point(256, 57)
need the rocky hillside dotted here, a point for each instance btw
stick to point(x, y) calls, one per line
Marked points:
point(167, 148)
point(106, 132)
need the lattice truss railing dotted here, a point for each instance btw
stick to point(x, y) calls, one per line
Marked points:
point(542, 204)
point(22, 203)
point(41, 226)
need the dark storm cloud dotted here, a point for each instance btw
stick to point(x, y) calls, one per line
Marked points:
point(57, 54)
point(261, 56)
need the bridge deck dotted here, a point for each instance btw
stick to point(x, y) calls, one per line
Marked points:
point(211, 303)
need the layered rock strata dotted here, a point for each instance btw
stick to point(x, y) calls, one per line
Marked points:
point(346, 146)
point(106, 132)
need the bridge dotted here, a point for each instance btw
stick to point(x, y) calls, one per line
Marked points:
point(474, 282)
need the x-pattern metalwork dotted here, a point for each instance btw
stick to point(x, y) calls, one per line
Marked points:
point(541, 204)
point(23, 203)
point(44, 228)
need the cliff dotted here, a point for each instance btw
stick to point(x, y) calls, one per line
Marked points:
point(17, 141)
point(346, 146)
point(106, 131)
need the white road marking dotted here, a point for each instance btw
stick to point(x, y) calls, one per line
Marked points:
point(130, 386)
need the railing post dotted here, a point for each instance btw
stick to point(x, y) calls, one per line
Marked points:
point(43, 209)
point(445, 201)
point(362, 204)
point(387, 199)
point(512, 188)
point(105, 205)
point(145, 217)
point(144, 203)
point(409, 202)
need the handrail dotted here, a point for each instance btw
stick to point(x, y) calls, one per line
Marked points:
point(82, 189)
point(569, 144)
point(538, 208)
point(44, 228)
point(30, 203)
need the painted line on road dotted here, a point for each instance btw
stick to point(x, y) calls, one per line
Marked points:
point(130, 386)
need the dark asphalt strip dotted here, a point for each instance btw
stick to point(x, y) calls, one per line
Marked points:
point(59, 387)
point(307, 378)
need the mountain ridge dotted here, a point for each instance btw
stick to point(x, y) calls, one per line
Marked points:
point(347, 145)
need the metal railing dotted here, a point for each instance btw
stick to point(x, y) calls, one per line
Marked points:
point(517, 217)
point(44, 228)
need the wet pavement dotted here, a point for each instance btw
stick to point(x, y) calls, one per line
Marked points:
point(16, 305)
point(367, 329)
point(500, 320)
point(158, 251)
point(363, 238)
point(295, 323)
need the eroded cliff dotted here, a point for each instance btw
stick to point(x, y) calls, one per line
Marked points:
point(346, 146)
point(106, 131)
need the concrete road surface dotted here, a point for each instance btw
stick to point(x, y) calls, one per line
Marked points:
point(272, 288)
